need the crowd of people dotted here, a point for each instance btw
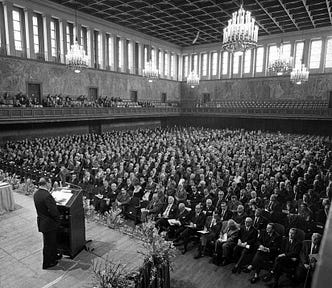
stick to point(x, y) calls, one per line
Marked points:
point(59, 100)
point(252, 198)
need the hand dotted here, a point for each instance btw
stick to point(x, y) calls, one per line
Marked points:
point(306, 266)
point(281, 255)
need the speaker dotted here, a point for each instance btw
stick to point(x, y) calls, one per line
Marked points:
point(330, 99)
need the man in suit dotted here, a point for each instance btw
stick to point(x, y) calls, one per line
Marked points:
point(245, 245)
point(260, 222)
point(223, 211)
point(269, 242)
point(196, 223)
point(48, 218)
point(308, 259)
point(212, 227)
point(289, 256)
point(169, 212)
point(182, 218)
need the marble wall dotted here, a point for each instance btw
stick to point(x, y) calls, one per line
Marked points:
point(56, 79)
point(264, 88)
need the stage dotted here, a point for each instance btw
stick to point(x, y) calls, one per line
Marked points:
point(21, 257)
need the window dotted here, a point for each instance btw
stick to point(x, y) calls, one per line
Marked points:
point(236, 62)
point(328, 59)
point(299, 53)
point(84, 39)
point(17, 23)
point(146, 56)
point(195, 63)
point(172, 65)
point(214, 63)
point(110, 51)
point(273, 53)
point(160, 62)
point(69, 35)
point(99, 48)
point(130, 55)
point(120, 52)
point(315, 53)
point(96, 45)
point(259, 59)
point(153, 57)
point(224, 63)
point(204, 64)
point(185, 65)
point(286, 50)
point(35, 32)
point(247, 61)
point(53, 33)
point(166, 66)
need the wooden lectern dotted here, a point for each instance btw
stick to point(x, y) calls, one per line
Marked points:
point(71, 232)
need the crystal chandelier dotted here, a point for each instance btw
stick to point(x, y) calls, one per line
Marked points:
point(241, 32)
point(76, 58)
point(282, 64)
point(193, 79)
point(150, 72)
point(299, 74)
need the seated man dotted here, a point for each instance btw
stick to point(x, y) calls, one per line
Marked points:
point(196, 223)
point(169, 212)
point(239, 216)
point(245, 245)
point(269, 242)
point(308, 259)
point(225, 243)
point(289, 256)
point(211, 231)
point(177, 225)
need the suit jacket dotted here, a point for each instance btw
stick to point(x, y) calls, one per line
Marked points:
point(260, 223)
point(272, 242)
point(248, 236)
point(172, 211)
point(306, 251)
point(183, 217)
point(226, 216)
point(199, 220)
point(48, 216)
point(292, 250)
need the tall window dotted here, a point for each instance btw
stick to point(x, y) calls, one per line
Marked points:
point(328, 59)
point(160, 62)
point(185, 65)
point(69, 35)
point(273, 53)
point(153, 57)
point(224, 63)
point(172, 65)
point(259, 59)
point(100, 48)
point(130, 55)
point(195, 63)
point(35, 31)
point(110, 51)
point(84, 39)
point(286, 50)
point(315, 53)
point(146, 56)
point(247, 61)
point(236, 62)
point(214, 63)
point(17, 23)
point(299, 46)
point(120, 52)
point(166, 66)
point(53, 28)
point(204, 64)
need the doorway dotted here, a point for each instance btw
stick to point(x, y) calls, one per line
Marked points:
point(133, 95)
point(163, 97)
point(206, 98)
point(93, 93)
point(34, 92)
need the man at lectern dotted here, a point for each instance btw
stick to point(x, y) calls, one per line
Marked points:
point(48, 218)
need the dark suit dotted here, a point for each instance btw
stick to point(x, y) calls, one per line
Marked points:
point(162, 223)
point(290, 260)
point(273, 242)
point(246, 236)
point(48, 218)
point(223, 250)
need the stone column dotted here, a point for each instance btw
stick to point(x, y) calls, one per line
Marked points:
point(140, 58)
point(9, 29)
point(29, 33)
point(62, 42)
point(102, 50)
point(90, 51)
point(47, 37)
point(125, 67)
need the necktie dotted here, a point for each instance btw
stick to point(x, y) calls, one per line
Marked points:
point(314, 249)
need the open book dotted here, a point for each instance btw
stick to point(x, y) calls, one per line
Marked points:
point(173, 222)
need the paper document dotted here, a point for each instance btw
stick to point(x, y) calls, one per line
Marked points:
point(61, 197)
point(203, 231)
point(173, 222)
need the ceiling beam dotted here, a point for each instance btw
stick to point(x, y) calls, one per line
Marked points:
point(304, 2)
point(289, 14)
point(329, 9)
point(259, 24)
point(270, 16)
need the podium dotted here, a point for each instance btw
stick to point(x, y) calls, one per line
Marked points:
point(71, 232)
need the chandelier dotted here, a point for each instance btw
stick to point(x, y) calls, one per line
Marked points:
point(282, 64)
point(241, 32)
point(76, 58)
point(150, 72)
point(193, 79)
point(299, 74)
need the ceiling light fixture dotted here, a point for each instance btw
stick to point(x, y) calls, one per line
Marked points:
point(150, 71)
point(193, 77)
point(282, 64)
point(241, 32)
point(299, 74)
point(76, 58)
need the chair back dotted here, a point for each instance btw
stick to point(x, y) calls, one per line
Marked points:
point(279, 228)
